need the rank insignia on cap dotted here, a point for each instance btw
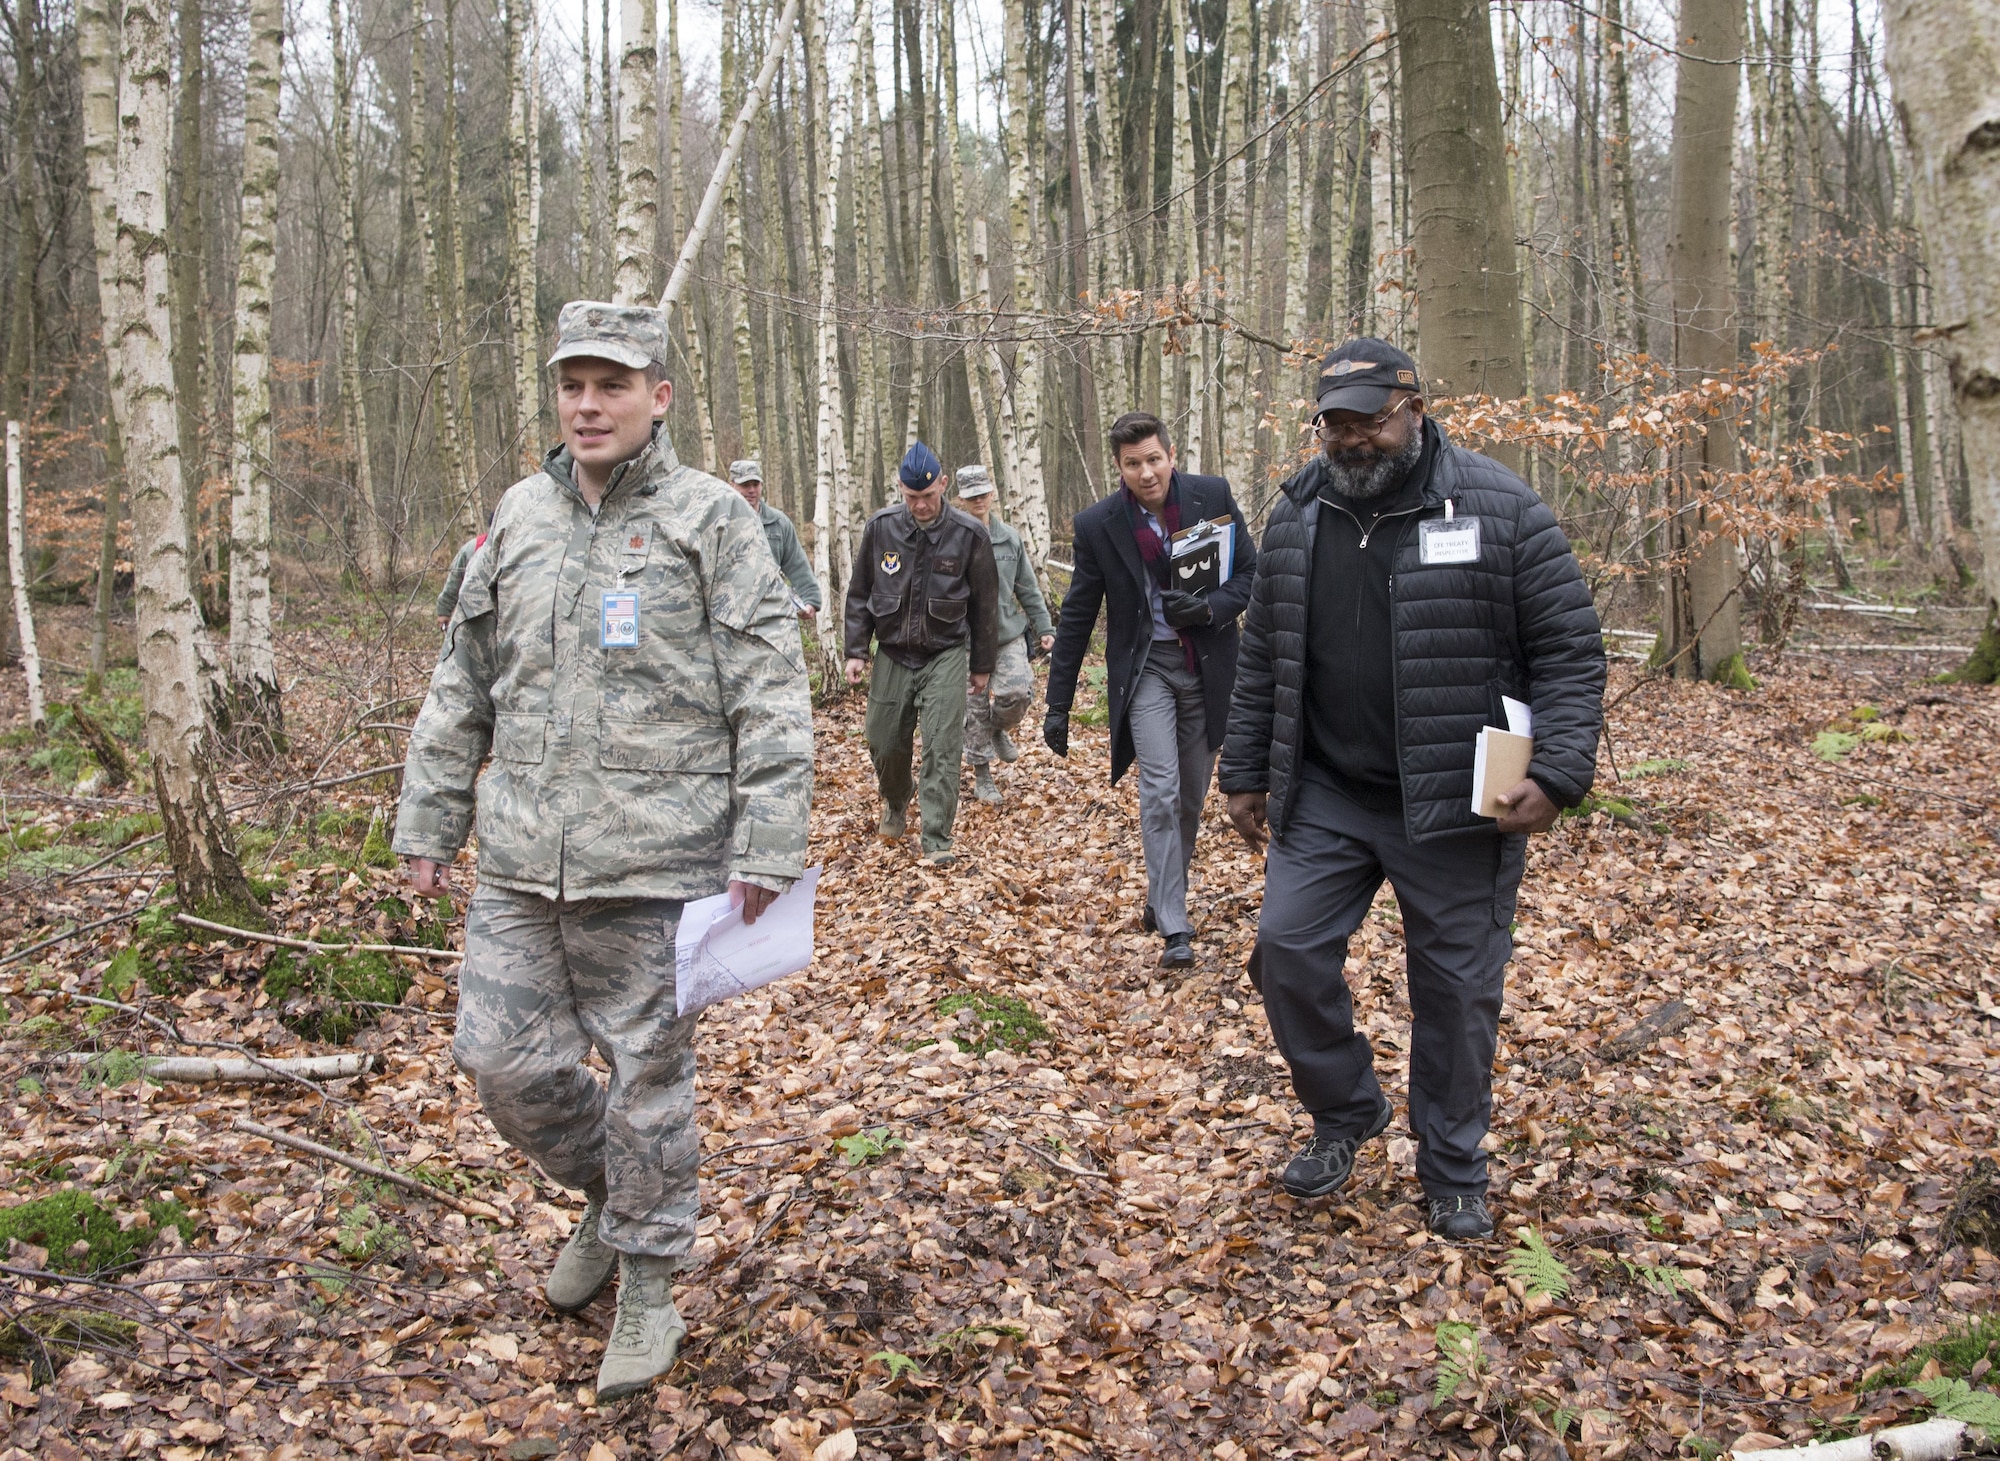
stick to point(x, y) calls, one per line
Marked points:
point(1350, 367)
point(892, 562)
point(1406, 377)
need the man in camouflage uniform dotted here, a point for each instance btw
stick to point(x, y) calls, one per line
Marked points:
point(747, 476)
point(923, 589)
point(625, 652)
point(991, 713)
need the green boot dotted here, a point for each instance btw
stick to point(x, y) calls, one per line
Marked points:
point(585, 1264)
point(648, 1331)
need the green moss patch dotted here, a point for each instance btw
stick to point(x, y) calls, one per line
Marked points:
point(1957, 1355)
point(997, 1020)
point(81, 1234)
point(328, 997)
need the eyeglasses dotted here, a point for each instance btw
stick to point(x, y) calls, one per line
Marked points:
point(1370, 426)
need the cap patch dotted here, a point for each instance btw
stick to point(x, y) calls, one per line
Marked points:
point(1406, 377)
point(1352, 367)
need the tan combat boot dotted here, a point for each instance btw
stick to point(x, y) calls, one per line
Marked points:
point(894, 823)
point(983, 785)
point(647, 1334)
point(586, 1262)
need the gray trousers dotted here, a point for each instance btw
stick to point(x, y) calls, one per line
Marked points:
point(1169, 721)
point(1456, 894)
point(543, 982)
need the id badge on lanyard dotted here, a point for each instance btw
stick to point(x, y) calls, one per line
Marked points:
point(1449, 539)
point(619, 624)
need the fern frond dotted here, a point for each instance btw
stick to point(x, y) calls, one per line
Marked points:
point(1956, 1400)
point(1459, 1359)
point(1537, 1266)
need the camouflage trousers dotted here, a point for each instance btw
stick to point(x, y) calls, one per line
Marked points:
point(543, 982)
point(1005, 701)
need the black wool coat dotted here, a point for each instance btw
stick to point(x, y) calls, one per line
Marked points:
point(1112, 576)
point(1518, 622)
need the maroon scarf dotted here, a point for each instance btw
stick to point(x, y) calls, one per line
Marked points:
point(1153, 548)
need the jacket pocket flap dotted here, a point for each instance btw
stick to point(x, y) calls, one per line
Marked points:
point(949, 610)
point(518, 737)
point(884, 602)
point(666, 745)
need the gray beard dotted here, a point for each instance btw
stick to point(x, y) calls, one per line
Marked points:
point(1361, 480)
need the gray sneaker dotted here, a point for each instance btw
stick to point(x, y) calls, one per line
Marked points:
point(647, 1334)
point(1325, 1164)
point(1004, 747)
point(585, 1264)
point(983, 785)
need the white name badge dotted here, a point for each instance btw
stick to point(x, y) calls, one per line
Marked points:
point(621, 621)
point(1449, 540)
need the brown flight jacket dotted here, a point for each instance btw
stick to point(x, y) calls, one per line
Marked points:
point(918, 593)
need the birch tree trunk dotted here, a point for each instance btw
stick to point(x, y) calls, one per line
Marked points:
point(454, 265)
point(1944, 64)
point(1385, 302)
point(1467, 272)
point(829, 535)
point(525, 153)
point(1193, 399)
point(1030, 491)
point(1083, 232)
point(735, 296)
point(354, 407)
point(207, 875)
point(17, 563)
point(638, 150)
point(974, 357)
point(1232, 142)
point(465, 503)
point(97, 57)
point(1114, 251)
point(1703, 628)
point(187, 243)
point(253, 667)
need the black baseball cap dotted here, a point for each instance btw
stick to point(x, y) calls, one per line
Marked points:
point(1362, 375)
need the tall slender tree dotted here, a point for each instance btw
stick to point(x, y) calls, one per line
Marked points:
point(374, 553)
point(253, 666)
point(1704, 634)
point(179, 735)
point(1031, 498)
point(638, 150)
point(525, 155)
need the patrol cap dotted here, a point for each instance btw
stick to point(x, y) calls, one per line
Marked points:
point(745, 469)
point(974, 482)
point(1362, 375)
point(633, 335)
point(920, 468)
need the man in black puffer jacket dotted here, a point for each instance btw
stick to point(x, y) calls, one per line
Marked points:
point(1405, 590)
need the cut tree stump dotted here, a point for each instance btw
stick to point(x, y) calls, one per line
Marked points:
point(109, 754)
point(1658, 1023)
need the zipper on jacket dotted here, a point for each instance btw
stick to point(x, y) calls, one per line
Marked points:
point(1369, 531)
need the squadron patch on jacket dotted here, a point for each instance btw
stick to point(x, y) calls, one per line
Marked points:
point(892, 562)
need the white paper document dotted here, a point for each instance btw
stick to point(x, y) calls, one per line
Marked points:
point(718, 956)
point(1520, 717)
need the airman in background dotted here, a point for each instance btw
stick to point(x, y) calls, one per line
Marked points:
point(991, 714)
point(747, 476)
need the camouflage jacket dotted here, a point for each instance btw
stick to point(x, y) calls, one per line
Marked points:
point(657, 771)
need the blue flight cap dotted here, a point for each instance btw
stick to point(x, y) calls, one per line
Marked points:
point(921, 468)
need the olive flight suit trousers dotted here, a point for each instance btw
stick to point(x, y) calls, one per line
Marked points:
point(901, 701)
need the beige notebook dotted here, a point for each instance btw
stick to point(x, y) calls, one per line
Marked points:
point(1499, 764)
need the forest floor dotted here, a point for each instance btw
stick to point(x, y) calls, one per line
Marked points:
point(983, 1183)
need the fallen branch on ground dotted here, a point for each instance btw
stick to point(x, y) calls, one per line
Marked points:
point(1932, 1440)
point(370, 1169)
point(314, 948)
point(202, 1069)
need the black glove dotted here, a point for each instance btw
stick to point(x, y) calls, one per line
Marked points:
point(1185, 610)
point(1055, 732)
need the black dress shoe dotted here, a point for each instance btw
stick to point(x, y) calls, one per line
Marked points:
point(1325, 1163)
point(1461, 1219)
point(1179, 952)
point(1148, 922)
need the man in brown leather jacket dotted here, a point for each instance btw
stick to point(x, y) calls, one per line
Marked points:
point(925, 589)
